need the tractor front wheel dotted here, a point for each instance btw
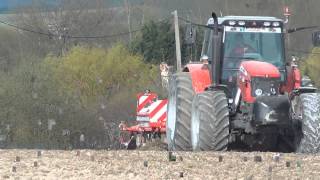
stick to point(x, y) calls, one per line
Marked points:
point(179, 112)
point(210, 122)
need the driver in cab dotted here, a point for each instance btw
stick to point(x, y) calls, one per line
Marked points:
point(241, 47)
point(238, 52)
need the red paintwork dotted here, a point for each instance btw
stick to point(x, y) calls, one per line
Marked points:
point(149, 100)
point(200, 76)
point(249, 69)
point(161, 123)
point(140, 129)
point(158, 108)
point(296, 78)
point(260, 69)
point(155, 123)
point(293, 79)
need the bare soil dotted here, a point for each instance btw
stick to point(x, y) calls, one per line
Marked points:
point(155, 165)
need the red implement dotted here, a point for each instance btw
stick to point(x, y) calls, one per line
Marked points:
point(151, 116)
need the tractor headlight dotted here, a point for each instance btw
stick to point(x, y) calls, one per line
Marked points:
point(232, 23)
point(275, 24)
point(258, 92)
point(267, 23)
point(241, 23)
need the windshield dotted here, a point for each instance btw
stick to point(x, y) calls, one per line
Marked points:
point(206, 45)
point(261, 44)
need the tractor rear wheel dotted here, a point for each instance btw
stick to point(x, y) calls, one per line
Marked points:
point(210, 121)
point(179, 112)
point(309, 140)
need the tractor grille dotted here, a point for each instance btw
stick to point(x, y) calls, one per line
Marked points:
point(265, 86)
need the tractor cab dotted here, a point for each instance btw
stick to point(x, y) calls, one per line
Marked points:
point(245, 38)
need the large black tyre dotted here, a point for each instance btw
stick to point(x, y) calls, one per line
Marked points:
point(179, 112)
point(210, 122)
point(309, 140)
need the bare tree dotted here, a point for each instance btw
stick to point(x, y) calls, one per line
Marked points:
point(71, 23)
point(128, 10)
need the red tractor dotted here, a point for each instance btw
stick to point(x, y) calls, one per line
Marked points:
point(247, 95)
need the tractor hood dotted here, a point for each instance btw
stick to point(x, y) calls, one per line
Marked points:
point(259, 69)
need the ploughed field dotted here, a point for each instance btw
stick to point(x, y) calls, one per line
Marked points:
point(90, 164)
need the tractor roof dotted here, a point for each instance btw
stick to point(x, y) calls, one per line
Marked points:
point(244, 18)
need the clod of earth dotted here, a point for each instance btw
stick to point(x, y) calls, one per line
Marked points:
point(245, 159)
point(39, 153)
point(180, 158)
point(14, 169)
point(17, 159)
point(145, 163)
point(257, 159)
point(276, 157)
point(287, 164)
point(298, 164)
point(172, 157)
point(249, 177)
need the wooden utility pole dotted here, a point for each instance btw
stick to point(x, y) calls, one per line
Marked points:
point(128, 10)
point(177, 39)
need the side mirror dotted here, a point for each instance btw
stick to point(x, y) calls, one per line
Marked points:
point(316, 38)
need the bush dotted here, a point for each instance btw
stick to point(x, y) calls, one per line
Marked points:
point(311, 66)
point(94, 74)
point(89, 90)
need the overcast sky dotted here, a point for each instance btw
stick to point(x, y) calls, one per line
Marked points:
point(6, 5)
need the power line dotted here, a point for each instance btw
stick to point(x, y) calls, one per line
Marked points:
point(118, 34)
point(302, 51)
point(25, 29)
point(75, 37)
point(103, 36)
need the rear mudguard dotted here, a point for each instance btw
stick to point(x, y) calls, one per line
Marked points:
point(294, 98)
point(293, 79)
point(200, 76)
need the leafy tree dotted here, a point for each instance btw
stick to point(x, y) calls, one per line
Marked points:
point(93, 73)
point(311, 66)
point(104, 83)
point(90, 90)
point(156, 42)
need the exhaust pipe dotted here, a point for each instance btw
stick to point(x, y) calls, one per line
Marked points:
point(216, 51)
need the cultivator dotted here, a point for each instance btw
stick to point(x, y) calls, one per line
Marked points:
point(151, 117)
